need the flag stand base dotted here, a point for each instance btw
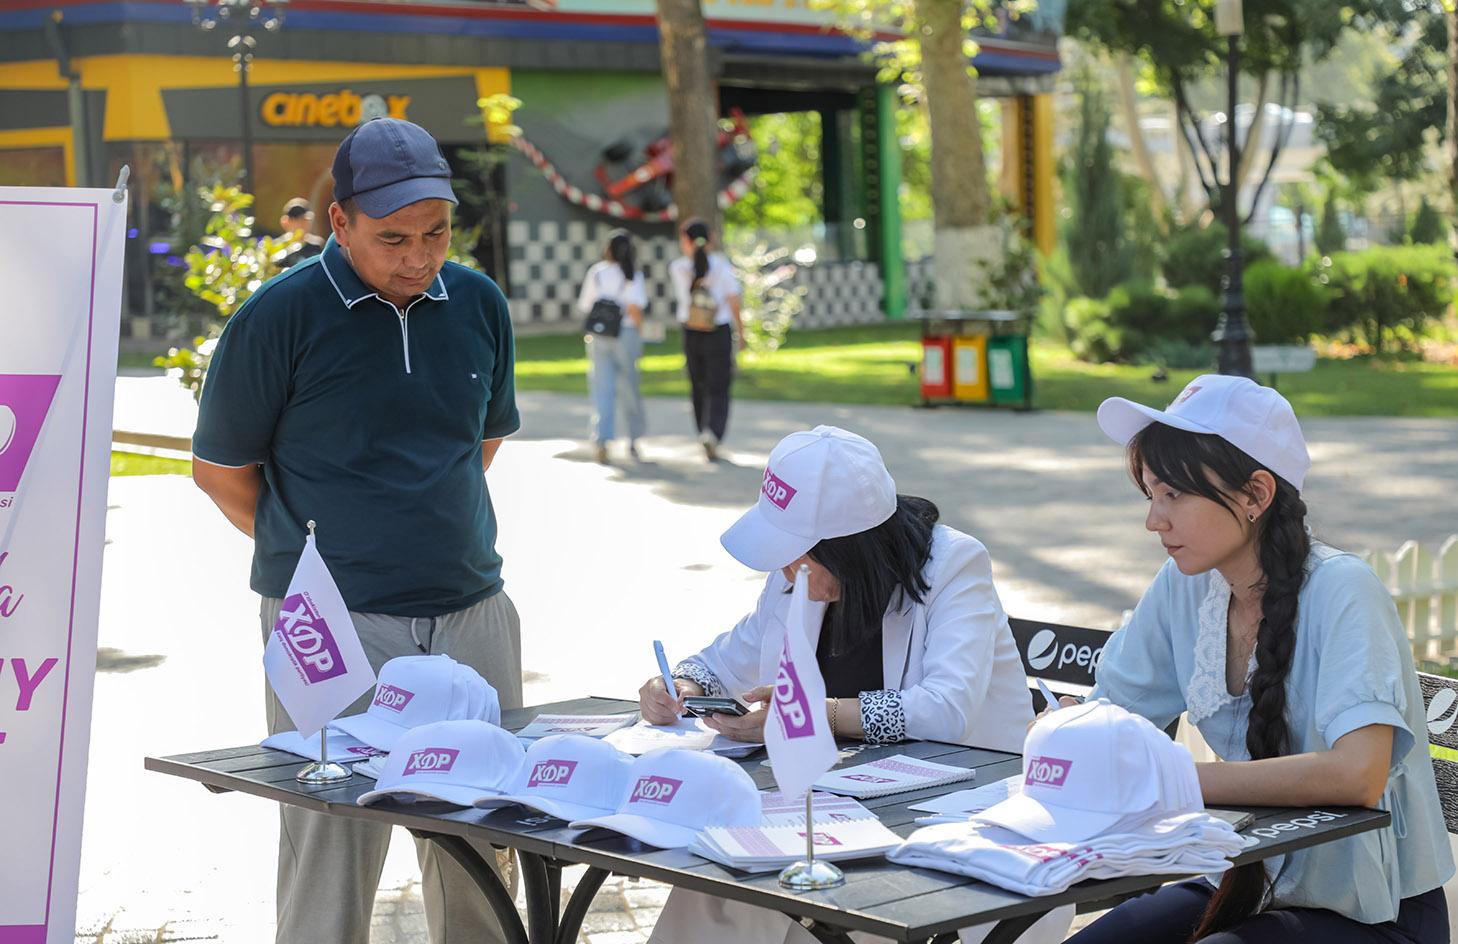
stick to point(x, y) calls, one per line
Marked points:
point(318, 772)
point(811, 876)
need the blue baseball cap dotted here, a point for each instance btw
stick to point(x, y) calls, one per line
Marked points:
point(386, 164)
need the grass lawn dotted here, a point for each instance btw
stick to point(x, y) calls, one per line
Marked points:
point(132, 463)
point(869, 365)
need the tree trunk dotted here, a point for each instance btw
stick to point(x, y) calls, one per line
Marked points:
point(693, 112)
point(1129, 102)
point(1252, 145)
point(959, 175)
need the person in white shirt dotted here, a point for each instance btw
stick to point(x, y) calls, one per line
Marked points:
point(613, 361)
point(707, 293)
point(914, 643)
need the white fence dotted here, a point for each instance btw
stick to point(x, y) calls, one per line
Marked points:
point(1424, 585)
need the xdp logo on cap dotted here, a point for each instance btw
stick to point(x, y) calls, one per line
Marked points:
point(308, 641)
point(655, 789)
point(1043, 649)
point(552, 773)
point(793, 707)
point(25, 400)
point(1190, 391)
point(393, 698)
point(1047, 771)
point(779, 494)
point(431, 760)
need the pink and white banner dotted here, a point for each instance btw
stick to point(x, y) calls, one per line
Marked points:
point(60, 268)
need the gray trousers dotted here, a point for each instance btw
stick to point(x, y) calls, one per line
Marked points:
point(329, 867)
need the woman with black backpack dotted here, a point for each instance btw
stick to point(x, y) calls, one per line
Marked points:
point(613, 298)
point(707, 292)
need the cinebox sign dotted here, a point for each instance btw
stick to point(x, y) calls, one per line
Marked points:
point(60, 263)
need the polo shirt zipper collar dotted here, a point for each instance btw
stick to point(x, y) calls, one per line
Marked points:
point(347, 278)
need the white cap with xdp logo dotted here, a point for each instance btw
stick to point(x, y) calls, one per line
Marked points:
point(821, 483)
point(1254, 419)
point(456, 761)
point(1090, 766)
point(570, 776)
point(416, 690)
point(674, 793)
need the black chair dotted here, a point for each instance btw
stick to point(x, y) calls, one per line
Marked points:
point(1063, 656)
point(1440, 698)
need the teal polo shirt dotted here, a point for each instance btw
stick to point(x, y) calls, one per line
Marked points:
point(368, 420)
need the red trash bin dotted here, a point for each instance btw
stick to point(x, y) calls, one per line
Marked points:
point(936, 367)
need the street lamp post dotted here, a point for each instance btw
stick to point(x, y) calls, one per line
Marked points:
point(1232, 335)
point(246, 16)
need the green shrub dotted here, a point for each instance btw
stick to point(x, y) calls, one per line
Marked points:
point(1331, 237)
point(1284, 305)
point(1386, 296)
point(1194, 256)
point(1427, 225)
point(1137, 317)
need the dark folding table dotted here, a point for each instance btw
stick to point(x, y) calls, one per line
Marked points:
point(895, 901)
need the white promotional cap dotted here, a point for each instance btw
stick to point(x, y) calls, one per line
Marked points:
point(1254, 419)
point(416, 690)
point(1085, 768)
point(823, 483)
point(675, 793)
point(571, 777)
point(456, 761)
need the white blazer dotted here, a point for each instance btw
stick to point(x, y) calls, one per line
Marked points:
point(951, 657)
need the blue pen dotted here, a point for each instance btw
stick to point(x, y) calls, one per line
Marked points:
point(663, 667)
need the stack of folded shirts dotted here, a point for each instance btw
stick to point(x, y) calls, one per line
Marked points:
point(1193, 844)
point(1104, 794)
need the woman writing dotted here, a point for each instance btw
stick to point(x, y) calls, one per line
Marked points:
point(912, 640)
point(1289, 658)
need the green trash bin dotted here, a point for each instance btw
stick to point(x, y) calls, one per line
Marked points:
point(1009, 377)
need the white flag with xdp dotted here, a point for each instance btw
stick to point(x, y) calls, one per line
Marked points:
point(797, 733)
point(314, 660)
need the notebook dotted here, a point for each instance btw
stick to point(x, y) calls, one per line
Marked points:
point(769, 848)
point(889, 775)
point(589, 725)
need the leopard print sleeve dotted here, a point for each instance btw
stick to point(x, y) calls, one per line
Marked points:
point(882, 717)
point(699, 673)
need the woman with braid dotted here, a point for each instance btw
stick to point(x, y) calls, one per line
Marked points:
point(1289, 658)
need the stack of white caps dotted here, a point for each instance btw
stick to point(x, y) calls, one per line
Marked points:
point(459, 762)
point(674, 793)
point(417, 690)
point(1094, 768)
point(571, 777)
point(1105, 793)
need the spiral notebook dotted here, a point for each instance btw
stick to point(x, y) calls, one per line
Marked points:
point(889, 775)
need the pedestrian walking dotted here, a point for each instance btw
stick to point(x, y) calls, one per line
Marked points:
point(613, 294)
point(298, 216)
point(707, 292)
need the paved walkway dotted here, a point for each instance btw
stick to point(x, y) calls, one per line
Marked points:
point(600, 561)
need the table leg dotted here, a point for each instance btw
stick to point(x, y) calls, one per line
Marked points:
point(578, 904)
point(1007, 930)
point(487, 880)
point(541, 915)
point(826, 934)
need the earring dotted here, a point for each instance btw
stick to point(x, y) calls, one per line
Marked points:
point(1250, 516)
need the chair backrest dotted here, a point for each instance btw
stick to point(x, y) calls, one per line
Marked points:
point(1056, 653)
point(1440, 698)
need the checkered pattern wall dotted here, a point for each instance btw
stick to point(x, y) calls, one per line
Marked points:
point(549, 259)
point(919, 283)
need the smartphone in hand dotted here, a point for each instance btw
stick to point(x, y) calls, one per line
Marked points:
point(701, 706)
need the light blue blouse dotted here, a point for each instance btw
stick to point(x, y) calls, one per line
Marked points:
point(1352, 667)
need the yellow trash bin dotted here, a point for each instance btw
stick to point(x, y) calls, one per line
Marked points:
point(969, 368)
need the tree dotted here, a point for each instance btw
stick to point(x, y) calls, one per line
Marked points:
point(1330, 237)
point(1427, 225)
point(693, 113)
point(1386, 138)
point(1177, 42)
point(1099, 252)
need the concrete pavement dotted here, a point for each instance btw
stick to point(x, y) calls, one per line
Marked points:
point(600, 561)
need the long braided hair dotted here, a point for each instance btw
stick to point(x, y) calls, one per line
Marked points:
point(1206, 465)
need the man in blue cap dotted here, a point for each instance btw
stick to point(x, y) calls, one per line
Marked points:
point(368, 389)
